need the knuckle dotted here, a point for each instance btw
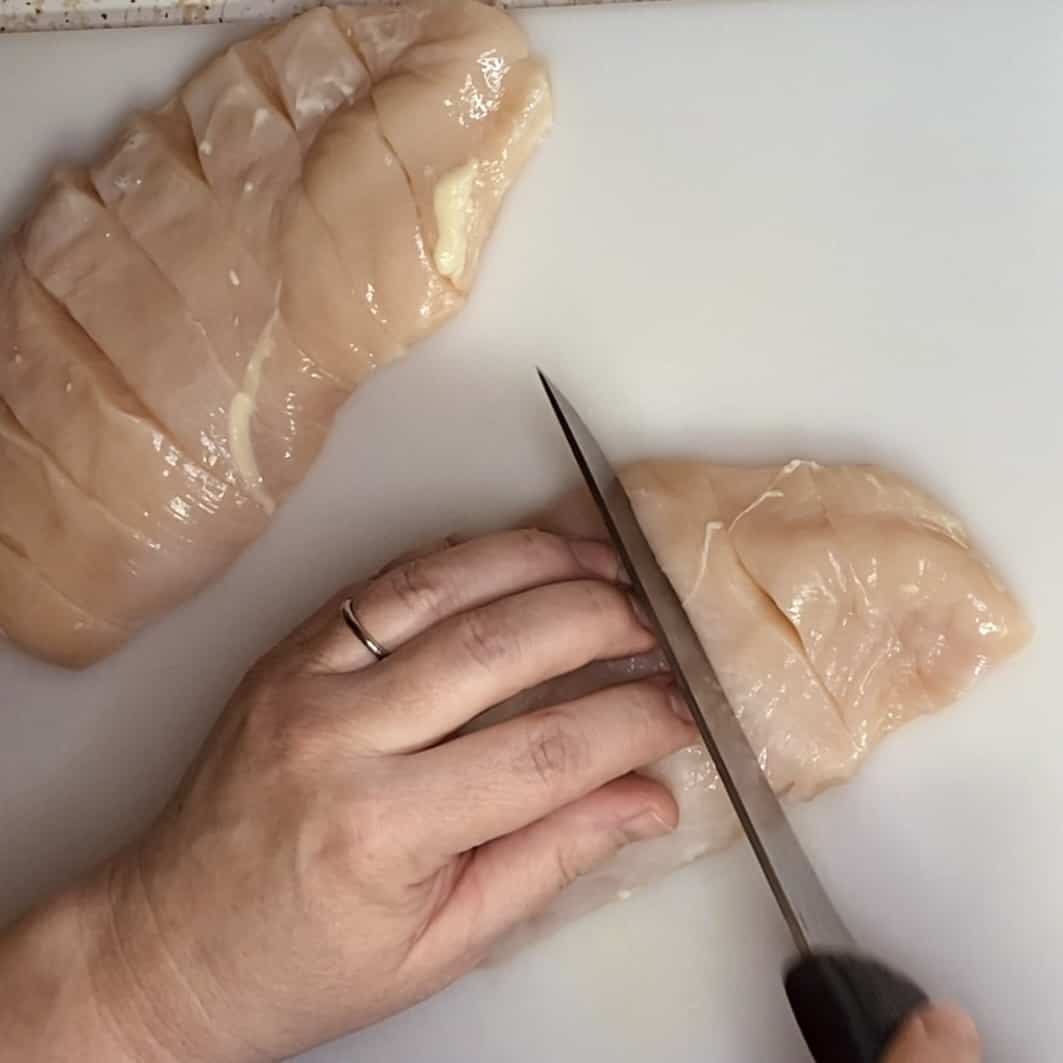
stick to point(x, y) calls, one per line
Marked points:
point(281, 729)
point(643, 702)
point(361, 834)
point(344, 848)
point(547, 551)
point(573, 860)
point(643, 712)
point(556, 751)
point(488, 639)
point(272, 667)
point(359, 817)
point(420, 587)
point(540, 545)
point(568, 869)
point(260, 717)
point(604, 603)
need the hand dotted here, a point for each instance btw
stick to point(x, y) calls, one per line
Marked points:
point(937, 1034)
point(336, 853)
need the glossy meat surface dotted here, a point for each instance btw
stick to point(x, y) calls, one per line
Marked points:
point(835, 603)
point(181, 320)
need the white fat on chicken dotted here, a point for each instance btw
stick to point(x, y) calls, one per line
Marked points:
point(835, 604)
point(181, 321)
point(242, 409)
point(453, 211)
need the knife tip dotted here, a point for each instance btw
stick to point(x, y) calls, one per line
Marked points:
point(546, 382)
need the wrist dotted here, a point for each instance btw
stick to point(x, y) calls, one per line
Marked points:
point(86, 976)
point(51, 1009)
point(149, 995)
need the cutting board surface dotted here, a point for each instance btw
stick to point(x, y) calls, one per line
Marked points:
point(824, 228)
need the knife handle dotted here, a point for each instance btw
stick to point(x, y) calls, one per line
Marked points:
point(849, 1007)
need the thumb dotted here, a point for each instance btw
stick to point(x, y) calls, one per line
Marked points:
point(937, 1034)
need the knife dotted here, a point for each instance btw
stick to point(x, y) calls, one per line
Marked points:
point(848, 1005)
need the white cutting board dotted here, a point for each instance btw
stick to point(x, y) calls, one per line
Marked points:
point(761, 229)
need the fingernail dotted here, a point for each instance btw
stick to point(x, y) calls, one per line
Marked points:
point(644, 826)
point(596, 557)
point(679, 704)
point(640, 613)
point(948, 1026)
point(676, 701)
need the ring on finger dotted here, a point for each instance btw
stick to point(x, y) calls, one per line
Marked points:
point(350, 618)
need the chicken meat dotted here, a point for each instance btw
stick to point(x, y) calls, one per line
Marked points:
point(180, 322)
point(836, 603)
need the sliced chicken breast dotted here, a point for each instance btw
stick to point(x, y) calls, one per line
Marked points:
point(109, 558)
point(181, 321)
point(496, 99)
point(61, 388)
point(30, 607)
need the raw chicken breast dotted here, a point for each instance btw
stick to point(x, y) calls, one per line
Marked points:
point(181, 321)
point(835, 604)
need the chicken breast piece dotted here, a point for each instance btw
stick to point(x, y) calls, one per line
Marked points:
point(83, 257)
point(103, 437)
point(31, 607)
point(496, 97)
point(174, 217)
point(109, 554)
point(181, 321)
point(835, 603)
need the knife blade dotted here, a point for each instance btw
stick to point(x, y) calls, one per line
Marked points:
point(847, 1005)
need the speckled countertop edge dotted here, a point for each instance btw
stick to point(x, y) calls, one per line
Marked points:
point(20, 16)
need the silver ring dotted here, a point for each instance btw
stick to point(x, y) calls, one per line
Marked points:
point(350, 618)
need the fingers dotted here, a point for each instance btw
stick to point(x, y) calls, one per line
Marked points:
point(414, 594)
point(574, 514)
point(516, 877)
point(518, 772)
point(433, 685)
point(939, 1034)
point(437, 546)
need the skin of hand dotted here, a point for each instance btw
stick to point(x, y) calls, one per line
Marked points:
point(335, 853)
point(939, 1034)
point(339, 850)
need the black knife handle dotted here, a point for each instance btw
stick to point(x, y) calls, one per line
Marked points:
point(849, 1007)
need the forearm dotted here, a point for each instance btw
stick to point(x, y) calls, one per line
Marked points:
point(49, 969)
point(84, 979)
